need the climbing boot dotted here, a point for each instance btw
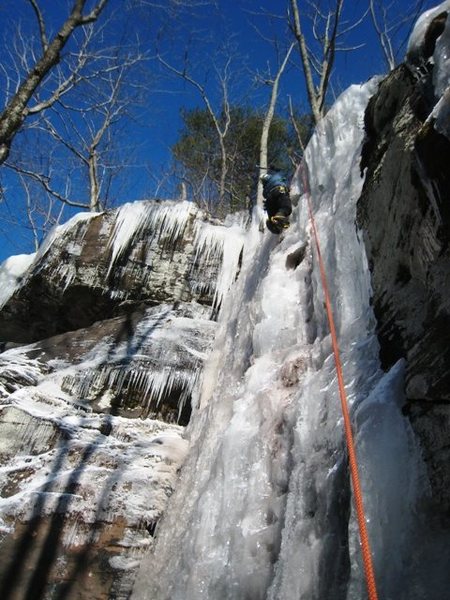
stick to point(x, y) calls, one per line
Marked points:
point(277, 224)
point(280, 220)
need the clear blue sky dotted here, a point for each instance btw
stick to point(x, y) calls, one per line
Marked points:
point(157, 124)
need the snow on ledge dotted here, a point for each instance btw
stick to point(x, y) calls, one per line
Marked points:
point(416, 40)
point(11, 272)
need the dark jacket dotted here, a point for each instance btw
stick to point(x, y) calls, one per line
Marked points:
point(276, 194)
point(271, 182)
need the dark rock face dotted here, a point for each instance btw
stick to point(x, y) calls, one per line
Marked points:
point(404, 213)
point(101, 266)
point(106, 336)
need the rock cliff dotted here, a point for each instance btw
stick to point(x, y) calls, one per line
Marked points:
point(404, 211)
point(104, 336)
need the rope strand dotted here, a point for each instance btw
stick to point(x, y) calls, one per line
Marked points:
point(353, 463)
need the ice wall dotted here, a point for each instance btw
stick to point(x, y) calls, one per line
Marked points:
point(263, 506)
point(90, 419)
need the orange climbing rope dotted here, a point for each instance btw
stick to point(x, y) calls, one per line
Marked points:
point(358, 499)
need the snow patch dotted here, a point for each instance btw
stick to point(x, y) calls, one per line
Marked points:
point(11, 273)
point(416, 40)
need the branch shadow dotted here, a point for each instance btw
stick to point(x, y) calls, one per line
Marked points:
point(27, 576)
point(38, 545)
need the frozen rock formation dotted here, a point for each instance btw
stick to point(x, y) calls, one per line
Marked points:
point(105, 332)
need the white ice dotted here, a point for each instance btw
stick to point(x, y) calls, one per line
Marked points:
point(221, 244)
point(14, 270)
point(441, 80)
point(265, 480)
point(440, 115)
point(53, 439)
point(126, 474)
point(417, 37)
point(161, 219)
point(262, 509)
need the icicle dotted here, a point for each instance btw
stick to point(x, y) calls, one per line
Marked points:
point(166, 219)
point(59, 232)
point(218, 244)
point(154, 384)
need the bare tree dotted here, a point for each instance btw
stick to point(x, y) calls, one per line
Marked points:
point(71, 95)
point(312, 64)
point(88, 131)
point(274, 84)
point(74, 153)
point(80, 134)
point(220, 117)
point(393, 26)
point(17, 109)
point(318, 49)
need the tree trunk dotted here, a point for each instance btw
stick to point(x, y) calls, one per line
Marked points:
point(223, 171)
point(310, 87)
point(266, 125)
point(94, 188)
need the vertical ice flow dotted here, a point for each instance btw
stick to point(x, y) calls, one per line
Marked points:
point(223, 244)
point(263, 509)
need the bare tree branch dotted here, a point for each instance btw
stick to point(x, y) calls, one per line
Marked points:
point(37, 10)
point(221, 129)
point(43, 180)
point(388, 21)
point(16, 111)
point(295, 125)
point(325, 35)
point(67, 83)
point(304, 54)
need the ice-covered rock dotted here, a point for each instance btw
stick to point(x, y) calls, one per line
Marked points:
point(263, 508)
point(424, 38)
point(429, 51)
point(11, 272)
point(120, 308)
point(99, 266)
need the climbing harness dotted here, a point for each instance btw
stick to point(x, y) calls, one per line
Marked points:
point(358, 499)
point(279, 189)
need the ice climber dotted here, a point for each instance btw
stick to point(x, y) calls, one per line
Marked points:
point(277, 201)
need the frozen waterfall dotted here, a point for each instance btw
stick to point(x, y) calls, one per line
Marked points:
point(263, 507)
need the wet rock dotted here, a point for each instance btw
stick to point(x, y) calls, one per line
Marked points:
point(404, 214)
